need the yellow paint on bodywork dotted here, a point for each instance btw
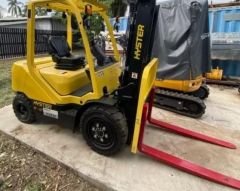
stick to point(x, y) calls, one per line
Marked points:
point(23, 82)
point(180, 85)
point(109, 78)
point(64, 81)
point(44, 83)
point(215, 74)
point(147, 83)
point(69, 30)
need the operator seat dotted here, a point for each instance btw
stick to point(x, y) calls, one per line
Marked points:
point(60, 51)
point(99, 54)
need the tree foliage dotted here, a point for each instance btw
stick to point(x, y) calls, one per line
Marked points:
point(39, 11)
point(108, 4)
point(118, 8)
point(115, 8)
point(24, 10)
point(14, 7)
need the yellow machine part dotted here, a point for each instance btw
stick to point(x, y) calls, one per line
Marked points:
point(22, 81)
point(180, 85)
point(147, 82)
point(215, 74)
point(64, 81)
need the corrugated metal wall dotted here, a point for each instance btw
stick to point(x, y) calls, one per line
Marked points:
point(230, 68)
point(224, 23)
point(224, 19)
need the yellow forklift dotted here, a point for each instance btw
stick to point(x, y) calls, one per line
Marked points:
point(111, 105)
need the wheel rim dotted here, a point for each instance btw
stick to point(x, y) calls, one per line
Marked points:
point(22, 110)
point(100, 133)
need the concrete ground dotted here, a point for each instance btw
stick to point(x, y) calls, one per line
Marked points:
point(126, 171)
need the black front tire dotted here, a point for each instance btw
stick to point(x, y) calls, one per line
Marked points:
point(23, 108)
point(104, 128)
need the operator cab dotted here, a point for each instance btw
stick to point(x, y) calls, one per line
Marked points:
point(70, 69)
point(64, 59)
point(69, 73)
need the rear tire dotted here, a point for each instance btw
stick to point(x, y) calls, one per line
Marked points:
point(23, 108)
point(104, 128)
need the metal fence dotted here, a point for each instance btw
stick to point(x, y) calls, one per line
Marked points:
point(13, 41)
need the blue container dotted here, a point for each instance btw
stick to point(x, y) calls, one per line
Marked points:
point(222, 22)
point(224, 19)
point(123, 23)
point(230, 68)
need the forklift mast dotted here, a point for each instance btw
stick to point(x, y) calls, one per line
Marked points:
point(140, 41)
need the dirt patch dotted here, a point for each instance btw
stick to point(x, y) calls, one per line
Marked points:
point(22, 168)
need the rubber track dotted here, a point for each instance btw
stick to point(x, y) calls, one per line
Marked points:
point(181, 96)
point(207, 89)
point(203, 86)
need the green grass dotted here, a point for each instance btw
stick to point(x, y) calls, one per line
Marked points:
point(6, 93)
point(34, 187)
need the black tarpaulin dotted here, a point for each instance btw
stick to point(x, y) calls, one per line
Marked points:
point(182, 41)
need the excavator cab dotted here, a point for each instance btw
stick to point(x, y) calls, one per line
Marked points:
point(110, 105)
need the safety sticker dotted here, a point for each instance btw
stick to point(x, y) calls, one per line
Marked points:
point(134, 75)
point(50, 113)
